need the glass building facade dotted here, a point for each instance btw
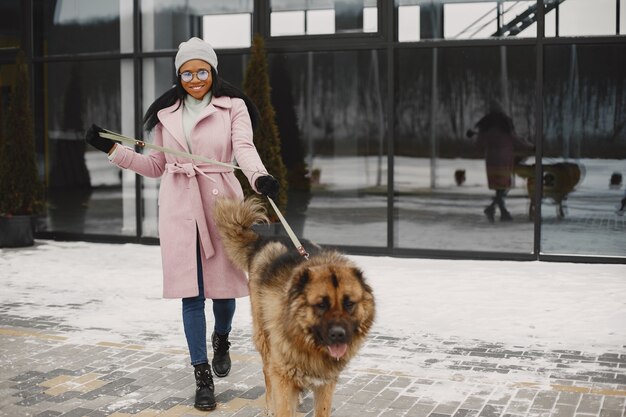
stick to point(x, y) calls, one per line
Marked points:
point(377, 96)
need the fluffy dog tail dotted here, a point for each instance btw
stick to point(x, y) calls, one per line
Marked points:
point(234, 221)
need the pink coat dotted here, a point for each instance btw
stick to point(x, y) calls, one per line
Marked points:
point(500, 151)
point(189, 190)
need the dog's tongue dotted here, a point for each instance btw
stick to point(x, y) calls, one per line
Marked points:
point(337, 351)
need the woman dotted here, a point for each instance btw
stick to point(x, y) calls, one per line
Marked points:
point(203, 115)
point(497, 136)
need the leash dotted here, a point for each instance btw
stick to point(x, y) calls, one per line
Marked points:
point(108, 134)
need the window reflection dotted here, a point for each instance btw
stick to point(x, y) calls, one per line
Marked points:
point(287, 23)
point(408, 23)
point(518, 19)
point(320, 22)
point(167, 23)
point(330, 109)
point(10, 18)
point(330, 114)
point(488, 19)
point(315, 17)
point(339, 106)
point(158, 76)
point(441, 178)
point(231, 30)
point(84, 189)
point(584, 150)
point(580, 18)
point(470, 20)
point(475, 19)
point(453, 19)
point(70, 26)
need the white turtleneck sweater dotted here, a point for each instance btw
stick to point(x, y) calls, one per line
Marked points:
point(191, 110)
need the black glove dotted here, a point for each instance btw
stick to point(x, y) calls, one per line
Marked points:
point(93, 138)
point(267, 185)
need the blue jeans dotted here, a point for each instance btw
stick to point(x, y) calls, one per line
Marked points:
point(194, 320)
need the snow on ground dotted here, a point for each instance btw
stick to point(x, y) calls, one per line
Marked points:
point(112, 293)
point(552, 305)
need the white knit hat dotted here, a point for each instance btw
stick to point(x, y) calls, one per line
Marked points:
point(195, 48)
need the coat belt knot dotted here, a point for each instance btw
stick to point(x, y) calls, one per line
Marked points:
point(191, 170)
point(178, 168)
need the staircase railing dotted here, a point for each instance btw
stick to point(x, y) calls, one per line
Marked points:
point(512, 28)
point(525, 19)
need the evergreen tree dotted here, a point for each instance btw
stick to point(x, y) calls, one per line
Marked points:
point(21, 191)
point(256, 85)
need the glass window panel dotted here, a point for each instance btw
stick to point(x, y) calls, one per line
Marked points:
point(287, 23)
point(472, 19)
point(622, 17)
point(320, 22)
point(514, 24)
point(408, 23)
point(550, 23)
point(370, 19)
point(585, 18)
point(228, 30)
point(10, 19)
point(314, 17)
point(73, 26)
point(440, 177)
point(158, 76)
point(290, 5)
point(469, 20)
point(167, 23)
point(338, 102)
point(584, 146)
point(86, 194)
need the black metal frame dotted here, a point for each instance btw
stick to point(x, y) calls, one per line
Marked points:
point(385, 39)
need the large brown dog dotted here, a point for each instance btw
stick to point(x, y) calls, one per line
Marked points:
point(310, 317)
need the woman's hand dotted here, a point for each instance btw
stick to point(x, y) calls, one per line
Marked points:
point(268, 186)
point(92, 137)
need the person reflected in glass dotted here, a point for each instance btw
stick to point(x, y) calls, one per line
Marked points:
point(204, 115)
point(622, 206)
point(496, 135)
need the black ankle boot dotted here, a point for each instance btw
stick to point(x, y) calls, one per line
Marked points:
point(490, 213)
point(221, 358)
point(205, 396)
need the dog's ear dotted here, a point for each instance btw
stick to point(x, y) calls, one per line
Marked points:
point(358, 273)
point(298, 284)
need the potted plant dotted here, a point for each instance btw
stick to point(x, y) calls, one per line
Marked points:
point(21, 191)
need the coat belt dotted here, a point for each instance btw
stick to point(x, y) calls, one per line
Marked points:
point(191, 170)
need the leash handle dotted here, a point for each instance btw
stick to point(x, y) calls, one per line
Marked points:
point(290, 232)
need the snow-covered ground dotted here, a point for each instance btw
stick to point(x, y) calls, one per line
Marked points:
point(113, 291)
point(425, 309)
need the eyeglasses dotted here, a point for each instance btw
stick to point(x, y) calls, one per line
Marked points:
point(187, 76)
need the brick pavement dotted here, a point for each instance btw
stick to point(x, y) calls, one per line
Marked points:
point(44, 374)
